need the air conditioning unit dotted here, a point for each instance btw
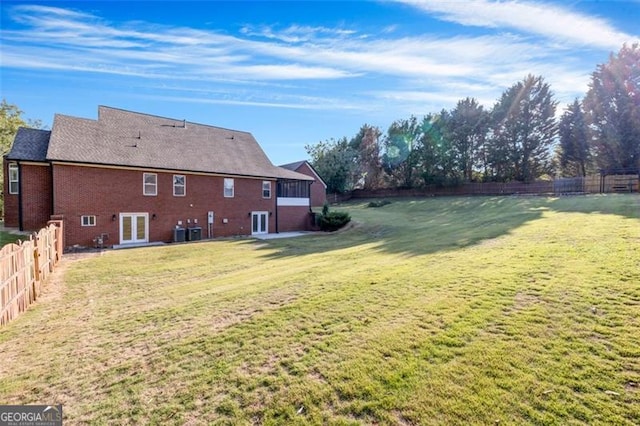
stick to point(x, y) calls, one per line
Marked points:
point(179, 235)
point(194, 234)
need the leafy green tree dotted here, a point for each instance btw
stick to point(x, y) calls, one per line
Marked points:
point(10, 120)
point(574, 143)
point(467, 130)
point(522, 131)
point(612, 109)
point(334, 160)
point(400, 158)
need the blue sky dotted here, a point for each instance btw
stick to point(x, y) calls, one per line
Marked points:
point(298, 72)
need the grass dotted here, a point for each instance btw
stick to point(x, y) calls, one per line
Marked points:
point(426, 311)
point(7, 237)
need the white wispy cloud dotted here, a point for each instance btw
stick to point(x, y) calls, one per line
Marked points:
point(302, 102)
point(539, 18)
point(423, 69)
point(295, 33)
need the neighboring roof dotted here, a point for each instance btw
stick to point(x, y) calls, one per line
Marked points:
point(30, 145)
point(296, 166)
point(125, 138)
point(293, 166)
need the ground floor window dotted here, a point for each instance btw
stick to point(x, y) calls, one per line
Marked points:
point(88, 220)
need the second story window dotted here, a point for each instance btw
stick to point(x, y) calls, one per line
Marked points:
point(179, 185)
point(14, 182)
point(266, 189)
point(228, 188)
point(150, 184)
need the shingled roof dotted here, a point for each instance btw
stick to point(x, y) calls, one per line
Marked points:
point(30, 145)
point(293, 166)
point(125, 138)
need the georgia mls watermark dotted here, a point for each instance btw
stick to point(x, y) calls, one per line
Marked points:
point(30, 415)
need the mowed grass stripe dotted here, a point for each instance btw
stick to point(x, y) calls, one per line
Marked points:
point(456, 311)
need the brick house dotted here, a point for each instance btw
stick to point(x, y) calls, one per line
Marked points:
point(130, 178)
point(318, 187)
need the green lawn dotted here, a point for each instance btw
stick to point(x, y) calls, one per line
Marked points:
point(7, 237)
point(486, 310)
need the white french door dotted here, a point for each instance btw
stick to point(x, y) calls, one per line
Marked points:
point(259, 223)
point(134, 228)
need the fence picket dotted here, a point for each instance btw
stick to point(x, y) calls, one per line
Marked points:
point(24, 267)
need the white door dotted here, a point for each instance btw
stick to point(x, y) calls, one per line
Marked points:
point(259, 222)
point(134, 228)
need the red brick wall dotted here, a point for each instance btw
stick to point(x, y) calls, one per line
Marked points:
point(293, 218)
point(318, 191)
point(105, 192)
point(35, 184)
point(35, 188)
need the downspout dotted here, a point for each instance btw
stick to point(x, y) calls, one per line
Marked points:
point(53, 193)
point(277, 232)
point(312, 217)
point(20, 221)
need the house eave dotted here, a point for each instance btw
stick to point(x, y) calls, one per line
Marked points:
point(162, 170)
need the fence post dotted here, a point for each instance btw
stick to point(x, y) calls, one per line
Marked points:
point(36, 263)
point(59, 237)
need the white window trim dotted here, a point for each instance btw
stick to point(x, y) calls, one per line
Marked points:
point(267, 182)
point(14, 168)
point(88, 220)
point(144, 184)
point(233, 190)
point(183, 186)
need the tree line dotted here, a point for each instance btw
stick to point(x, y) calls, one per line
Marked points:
point(519, 139)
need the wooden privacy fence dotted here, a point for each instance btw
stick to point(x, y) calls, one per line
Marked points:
point(25, 266)
point(580, 185)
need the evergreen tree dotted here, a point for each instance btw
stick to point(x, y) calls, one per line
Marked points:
point(368, 164)
point(467, 128)
point(574, 144)
point(437, 158)
point(612, 109)
point(522, 131)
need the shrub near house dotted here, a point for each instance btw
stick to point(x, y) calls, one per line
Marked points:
point(332, 221)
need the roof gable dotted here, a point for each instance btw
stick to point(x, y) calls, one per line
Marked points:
point(30, 145)
point(133, 139)
point(298, 164)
